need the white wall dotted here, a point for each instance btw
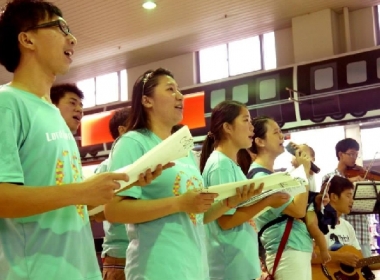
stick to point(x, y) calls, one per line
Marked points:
point(284, 47)
point(325, 157)
point(362, 25)
point(313, 36)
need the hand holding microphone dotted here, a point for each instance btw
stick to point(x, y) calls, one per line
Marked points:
point(292, 148)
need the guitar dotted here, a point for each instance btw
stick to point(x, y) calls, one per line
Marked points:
point(335, 271)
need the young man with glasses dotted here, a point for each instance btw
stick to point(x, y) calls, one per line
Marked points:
point(44, 225)
point(347, 151)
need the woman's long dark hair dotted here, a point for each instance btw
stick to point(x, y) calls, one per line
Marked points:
point(225, 112)
point(244, 160)
point(144, 85)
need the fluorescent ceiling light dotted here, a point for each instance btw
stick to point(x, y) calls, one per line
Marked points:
point(149, 5)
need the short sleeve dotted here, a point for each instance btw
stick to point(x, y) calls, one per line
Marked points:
point(260, 175)
point(278, 211)
point(126, 151)
point(10, 164)
point(102, 167)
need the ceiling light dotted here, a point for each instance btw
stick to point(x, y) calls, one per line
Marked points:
point(149, 5)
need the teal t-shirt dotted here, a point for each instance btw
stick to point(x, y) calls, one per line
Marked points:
point(115, 241)
point(172, 247)
point(38, 149)
point(232, 254)
point(299, 237)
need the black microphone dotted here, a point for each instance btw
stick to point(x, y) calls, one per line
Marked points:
point(292, 151)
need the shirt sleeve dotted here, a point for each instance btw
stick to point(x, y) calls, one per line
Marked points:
point(10, 163)
point(102, 167)
point(126, 151)
point(219, 176)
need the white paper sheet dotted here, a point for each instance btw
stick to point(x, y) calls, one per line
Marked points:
point(174, 147)
point(279, 181)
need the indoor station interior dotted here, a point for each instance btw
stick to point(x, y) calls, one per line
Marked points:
point(313, 66)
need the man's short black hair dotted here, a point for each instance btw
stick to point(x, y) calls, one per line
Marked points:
point(18, 16)
point(345, 145)
point(57, 92)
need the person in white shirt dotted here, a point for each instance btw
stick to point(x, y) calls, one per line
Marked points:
point(340, 191)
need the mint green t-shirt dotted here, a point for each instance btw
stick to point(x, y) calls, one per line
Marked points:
point(299, 237)
point(115, 241)
point(171, 247)
point(38, 149)
point(232, 254)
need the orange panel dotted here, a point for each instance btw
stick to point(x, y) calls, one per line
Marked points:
point(94, 129)
point(194, 112)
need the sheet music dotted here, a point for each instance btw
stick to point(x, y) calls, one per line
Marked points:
point(365, 196)
point(174, 147)
point(279, 181)
point(365, 206)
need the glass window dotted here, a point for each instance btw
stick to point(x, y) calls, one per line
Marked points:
point(217, 96)
point(267, 89)
point(213, 63)
point(240, 93)
point(357, 72)
point(123, 85)
point(324, 78)
point(269, 51)
point(244, 56)
point(107, 88)
point(88, 88)
point(238, 57)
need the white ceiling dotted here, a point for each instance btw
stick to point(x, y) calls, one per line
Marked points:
point(121, 34)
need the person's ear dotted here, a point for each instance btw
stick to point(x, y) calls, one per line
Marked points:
point(259, 142)
point(227, 128)
point(146, 101)
point(334, 197)
point(26, 40)
point(122, 129)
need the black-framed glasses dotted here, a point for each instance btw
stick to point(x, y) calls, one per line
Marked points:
point(59, 22)
point(352, 155)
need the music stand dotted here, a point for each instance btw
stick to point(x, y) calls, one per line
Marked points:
point(366, 198)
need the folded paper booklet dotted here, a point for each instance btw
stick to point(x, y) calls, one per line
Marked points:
point(290, 182)
point(174, 147)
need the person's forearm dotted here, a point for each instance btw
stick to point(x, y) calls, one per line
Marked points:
point(217, 210)
point(320, 240)
point(297, 208)
point(134, 211)
point(21, 201)
point(335, 257)
point(242, 215)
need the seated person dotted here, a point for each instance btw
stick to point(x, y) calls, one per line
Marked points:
point(341, 199)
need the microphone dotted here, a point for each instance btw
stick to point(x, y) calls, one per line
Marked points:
point(292, 151)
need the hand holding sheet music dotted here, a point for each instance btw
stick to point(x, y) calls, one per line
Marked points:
point(174, 147)
point(292, 183)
